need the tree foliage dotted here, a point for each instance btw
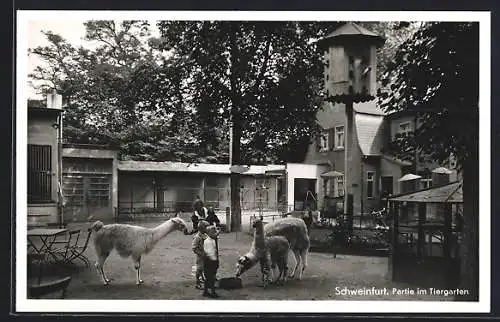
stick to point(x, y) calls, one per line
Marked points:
point(171, 97)
point(265, 74)
point(435, 75)
point(117, 91)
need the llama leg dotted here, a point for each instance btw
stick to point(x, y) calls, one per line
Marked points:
point(280, 272)
point(99, 265)
point(295, 271)
point(137, 266)
point(303, 256)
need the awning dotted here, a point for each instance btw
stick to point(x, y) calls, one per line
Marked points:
point(409, 177)
point(332, 174)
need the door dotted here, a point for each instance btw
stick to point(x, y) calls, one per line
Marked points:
point(387, 186)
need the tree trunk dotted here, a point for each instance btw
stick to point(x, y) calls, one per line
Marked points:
point(469, 273)
point(235, 178)
point(236, 130)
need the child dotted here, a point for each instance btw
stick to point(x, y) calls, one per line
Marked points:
point(212, 218)
point(197, 247)
point(211, 263)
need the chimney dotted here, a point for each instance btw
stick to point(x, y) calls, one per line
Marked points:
point(440, 176)
point(54, 100)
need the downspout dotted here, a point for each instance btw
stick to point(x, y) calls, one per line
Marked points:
point(362, 190)
point(60, 152)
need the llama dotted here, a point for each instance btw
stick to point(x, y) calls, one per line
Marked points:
point(265, 250)
point(295, 231)
point(130, 241)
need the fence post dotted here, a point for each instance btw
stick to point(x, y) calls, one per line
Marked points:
point(228, 219)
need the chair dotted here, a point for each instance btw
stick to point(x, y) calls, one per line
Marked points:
point(65, 251)
point(78, 250)
point(38, 290)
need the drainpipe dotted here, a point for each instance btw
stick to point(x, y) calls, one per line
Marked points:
point(60, 174)
point(362, 190)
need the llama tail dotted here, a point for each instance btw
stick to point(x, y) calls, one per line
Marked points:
point(97, 225)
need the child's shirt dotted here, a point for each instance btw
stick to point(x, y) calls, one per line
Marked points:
point(197, 245)
point(210, 249)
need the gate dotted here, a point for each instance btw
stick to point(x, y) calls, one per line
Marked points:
point(87, 196)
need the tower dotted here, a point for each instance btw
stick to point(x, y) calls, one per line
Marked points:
point(350, 60)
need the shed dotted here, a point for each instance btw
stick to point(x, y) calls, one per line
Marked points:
point(426, 236)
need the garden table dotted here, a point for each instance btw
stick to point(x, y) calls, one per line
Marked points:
point(47, 236)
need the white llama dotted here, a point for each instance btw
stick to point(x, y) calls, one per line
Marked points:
point(130, 241)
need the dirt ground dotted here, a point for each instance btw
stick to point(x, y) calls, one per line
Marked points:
point(166, 272)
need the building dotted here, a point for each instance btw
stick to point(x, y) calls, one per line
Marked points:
point(170, 187)
point(90, 182)
point(364, 130)
point(43, 161)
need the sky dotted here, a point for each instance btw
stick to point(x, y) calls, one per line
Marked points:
point(72, 30)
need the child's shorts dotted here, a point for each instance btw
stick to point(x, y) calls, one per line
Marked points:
point(199, 263)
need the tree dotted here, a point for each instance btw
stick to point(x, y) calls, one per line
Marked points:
point(119, 90)
point(436, 76)
point(258, 77)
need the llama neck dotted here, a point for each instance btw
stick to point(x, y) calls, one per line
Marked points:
point(258, 238)
point(163, 230)
point(252, 254)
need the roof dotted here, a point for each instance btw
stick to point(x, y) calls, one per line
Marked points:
point(369, 107)
point(351, 30)
point(43, 110)
point(169, 166)
point(332, 174)
point(449, 193)
point(369, 130)
point(408, 177)
point(393, 159)
point(442, 170)
point(327, 115)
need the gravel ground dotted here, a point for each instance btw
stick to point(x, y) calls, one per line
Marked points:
point(166, 272)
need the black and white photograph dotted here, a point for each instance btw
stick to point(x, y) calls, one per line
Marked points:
point(274, 162)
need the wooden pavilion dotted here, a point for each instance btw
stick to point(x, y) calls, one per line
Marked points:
point(426, 236)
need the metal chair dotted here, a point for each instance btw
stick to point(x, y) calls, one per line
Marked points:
point(63, 253)
point(77, 251)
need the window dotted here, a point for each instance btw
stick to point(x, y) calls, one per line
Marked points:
point(425, 183)
point(323, 142)
point(339, 137)
point(339, 186)
point(39, 173)
point(326, 187)
point(369, 184)
point(404, 128)
point(386, 186)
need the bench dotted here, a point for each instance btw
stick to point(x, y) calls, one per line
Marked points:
point(38, 290)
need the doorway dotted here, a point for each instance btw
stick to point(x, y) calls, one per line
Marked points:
point(305, 194)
